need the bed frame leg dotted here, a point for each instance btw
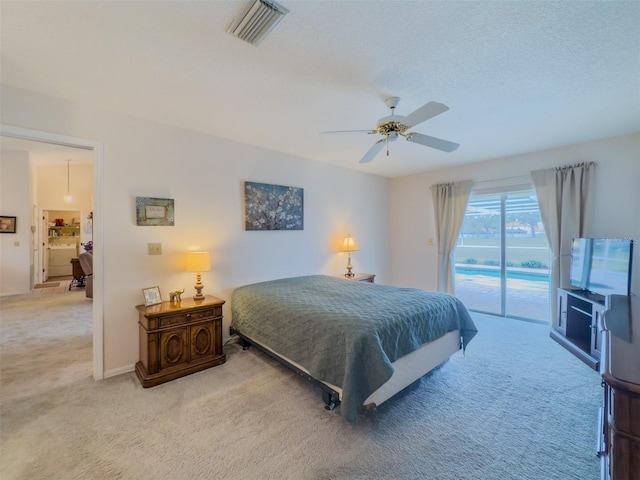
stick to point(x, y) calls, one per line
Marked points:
point(330, 400)
point(243, 342)
point(330, 397)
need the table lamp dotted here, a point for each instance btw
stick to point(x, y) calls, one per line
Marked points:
point(349, 245)
point(198, 262)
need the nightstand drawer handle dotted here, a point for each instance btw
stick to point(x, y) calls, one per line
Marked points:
point(188, 315)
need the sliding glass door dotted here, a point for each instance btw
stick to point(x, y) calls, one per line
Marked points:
point(502, 257)
point(478, 255)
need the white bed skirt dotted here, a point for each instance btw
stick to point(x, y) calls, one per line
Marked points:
point(414, 365)
point(407, 369)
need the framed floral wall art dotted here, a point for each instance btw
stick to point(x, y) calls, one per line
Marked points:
point(273, 207)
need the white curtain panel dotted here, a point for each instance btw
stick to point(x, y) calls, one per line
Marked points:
point(563, 197)
point(449, 206)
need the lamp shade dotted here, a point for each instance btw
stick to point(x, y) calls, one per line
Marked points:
point(349, 244)
point(198, 262)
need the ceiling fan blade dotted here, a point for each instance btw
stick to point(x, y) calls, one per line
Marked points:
point(425, 112)
point(373, 151)
point(432, 142)
point(347, 131)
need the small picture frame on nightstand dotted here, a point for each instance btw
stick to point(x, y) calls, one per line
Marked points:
point(151, 296)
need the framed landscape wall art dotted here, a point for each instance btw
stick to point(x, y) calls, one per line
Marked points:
point(154, 211)
point(273, 207)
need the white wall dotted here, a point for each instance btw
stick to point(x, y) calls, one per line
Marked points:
point(15, 201)
point(205, 175)
point(616, 198)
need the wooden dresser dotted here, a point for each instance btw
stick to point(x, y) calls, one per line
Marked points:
point(619, 431)
point(177, 339)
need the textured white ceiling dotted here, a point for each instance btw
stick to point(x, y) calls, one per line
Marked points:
point(517, 76)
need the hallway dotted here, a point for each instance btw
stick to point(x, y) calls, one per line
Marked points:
point(54, 285)
point(46, 340)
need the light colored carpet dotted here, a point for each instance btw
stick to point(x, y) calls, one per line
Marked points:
point(47, 285)
point(517, 406)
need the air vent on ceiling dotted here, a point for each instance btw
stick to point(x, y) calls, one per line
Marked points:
point(257, 20)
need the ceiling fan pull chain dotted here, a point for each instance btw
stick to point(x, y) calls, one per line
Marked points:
point(387, 145)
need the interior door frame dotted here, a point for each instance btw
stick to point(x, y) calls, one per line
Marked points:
point(98, 232)
point(43, 250)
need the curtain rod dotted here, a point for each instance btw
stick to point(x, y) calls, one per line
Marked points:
point(577, 165)
point(528, 177)
point(524, 177)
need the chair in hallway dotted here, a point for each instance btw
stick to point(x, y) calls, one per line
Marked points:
point(79, 276)
point(86, 262)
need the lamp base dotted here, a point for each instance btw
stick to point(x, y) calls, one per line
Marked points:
point(349, 273)
point(198, 286)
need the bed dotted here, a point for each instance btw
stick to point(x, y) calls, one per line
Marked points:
point(360, 342)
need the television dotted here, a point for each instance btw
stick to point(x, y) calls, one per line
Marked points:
point(601, 265)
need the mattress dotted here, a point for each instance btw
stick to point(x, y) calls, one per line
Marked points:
point(346, 333)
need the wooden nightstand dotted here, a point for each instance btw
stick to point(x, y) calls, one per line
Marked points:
point(362, 277)
point(177, 339)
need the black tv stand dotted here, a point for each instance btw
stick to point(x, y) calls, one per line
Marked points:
point(592, 297)
point(579, 324)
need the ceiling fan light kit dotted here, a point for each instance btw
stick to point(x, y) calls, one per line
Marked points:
point(257, 20)
point(392, 126)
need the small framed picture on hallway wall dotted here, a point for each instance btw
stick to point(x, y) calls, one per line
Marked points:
point(7, 224)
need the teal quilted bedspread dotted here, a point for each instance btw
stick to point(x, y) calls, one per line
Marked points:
point(345, 332)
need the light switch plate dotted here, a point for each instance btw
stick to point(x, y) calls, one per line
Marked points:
point(155, 248)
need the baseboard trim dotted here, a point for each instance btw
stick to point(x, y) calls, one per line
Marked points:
point(120, 371)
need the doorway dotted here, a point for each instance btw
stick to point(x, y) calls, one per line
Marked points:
point(62, 241)
point(96, 150)
point(503, 257)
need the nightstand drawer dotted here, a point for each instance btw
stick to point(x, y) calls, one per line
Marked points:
point(180, 318)
point(185, 318)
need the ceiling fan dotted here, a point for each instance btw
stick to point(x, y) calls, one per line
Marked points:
point(392, 126)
